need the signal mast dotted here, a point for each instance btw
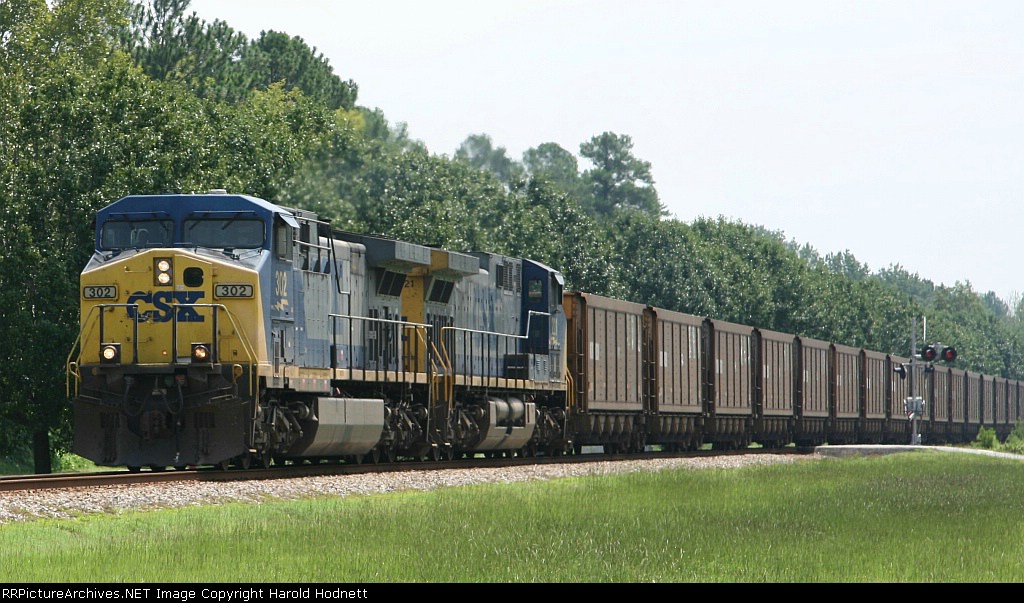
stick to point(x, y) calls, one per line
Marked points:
point(913, 404)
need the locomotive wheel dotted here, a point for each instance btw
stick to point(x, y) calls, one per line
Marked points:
point(224, 465)
point(134, 468)
point(244, 460)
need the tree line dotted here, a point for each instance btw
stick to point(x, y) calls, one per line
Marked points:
point(104, 98)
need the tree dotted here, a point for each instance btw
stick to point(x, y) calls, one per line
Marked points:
point(375, 127)
point(846, 264)
point(423, 198)
point(551, 227)
point(656, 264)
point(43, 51)
point(277, 58)
point(478, 151)
point(920, 290)
point(551, 162)
point(265, 140)
point(618, 180)
point(172, 45)
point(217, 62)
point(155, 34)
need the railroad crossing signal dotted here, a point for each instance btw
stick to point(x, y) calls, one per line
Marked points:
point(936, 351)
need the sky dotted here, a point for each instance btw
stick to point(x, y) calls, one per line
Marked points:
point(889, 129)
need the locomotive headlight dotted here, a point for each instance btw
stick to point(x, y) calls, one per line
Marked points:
point(162, 271)
point(201, 352)
point(110, 353)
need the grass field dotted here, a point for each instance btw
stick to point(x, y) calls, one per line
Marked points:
point(931, 517)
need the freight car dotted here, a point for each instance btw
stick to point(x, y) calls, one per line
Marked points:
point(221, 329)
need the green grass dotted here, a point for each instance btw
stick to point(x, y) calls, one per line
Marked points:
point(912, 517)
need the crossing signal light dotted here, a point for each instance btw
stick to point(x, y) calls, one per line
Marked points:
point(932, 352)
point(901, 370)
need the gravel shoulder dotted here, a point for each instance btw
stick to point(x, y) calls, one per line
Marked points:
point(27, 506)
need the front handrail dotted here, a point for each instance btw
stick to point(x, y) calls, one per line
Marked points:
point(247, 346)
point(74, 366)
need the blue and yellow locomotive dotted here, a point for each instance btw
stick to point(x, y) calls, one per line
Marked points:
point(221, 329)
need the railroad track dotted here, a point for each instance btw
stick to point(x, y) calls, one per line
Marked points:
point(54, 481)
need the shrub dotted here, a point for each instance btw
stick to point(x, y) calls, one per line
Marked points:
point(986, 439)
point(1015, 441)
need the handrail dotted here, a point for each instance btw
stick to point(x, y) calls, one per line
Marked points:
point(570, 389)
point(73, 369)
point(417, 326)
point(246, 344)
point(447, 375)
point(73, 366)
point(444, 346)
point(432, 357)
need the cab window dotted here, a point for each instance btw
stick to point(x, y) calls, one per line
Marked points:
point(535, 289)
point(226, 233)
point(128, 234)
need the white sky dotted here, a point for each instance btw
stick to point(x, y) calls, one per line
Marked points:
point(888, 128)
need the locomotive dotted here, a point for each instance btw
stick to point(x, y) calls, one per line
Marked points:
point(222, 329)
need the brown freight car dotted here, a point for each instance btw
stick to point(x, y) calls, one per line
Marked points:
point(676, 418)
point(876, 387)
point(605, 357)
point(730, 384)
point(847, 382)
point(776, 392)
point(1000, 388)
point(812, 411)
point(958, 404)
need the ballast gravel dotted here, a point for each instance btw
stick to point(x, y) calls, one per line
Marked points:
point(74, 502)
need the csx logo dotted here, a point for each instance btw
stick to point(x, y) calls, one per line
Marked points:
point(162, 301)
